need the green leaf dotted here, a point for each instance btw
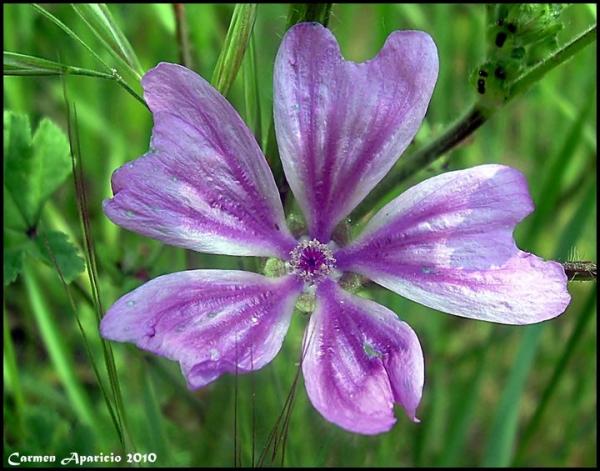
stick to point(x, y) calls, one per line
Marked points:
point(54, 248)
point(13, 265)
point(100, 21)
point(33, 168)
point(16, 244)
point(236, 42)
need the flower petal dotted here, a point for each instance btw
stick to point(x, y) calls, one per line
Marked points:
point(359, 360)
point(447, 243)
point(210, 321)
point(341, 125)
point(205, 184)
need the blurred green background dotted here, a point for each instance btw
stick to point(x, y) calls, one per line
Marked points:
point(494, 394)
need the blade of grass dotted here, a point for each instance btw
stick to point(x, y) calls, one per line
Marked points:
point(158, 442)
point(585, 211)
point(88, 349)
point(98, 18)
point(463, 415)
point(54, 343)
point(556, 166)
point(76, 160)
point(584, 315)
point(70, 33)
point(501, 444)
point(23, 65)
point(236, 42)
point(74, 36)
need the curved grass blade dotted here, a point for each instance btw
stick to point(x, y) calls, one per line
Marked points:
point(92, 270)
point(585, 315)
point(98, 18)
point(70, 33)
point(25, 65)
point(22, 64)
point(86, 342)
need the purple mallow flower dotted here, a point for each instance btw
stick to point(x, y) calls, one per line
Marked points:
point(205, 185)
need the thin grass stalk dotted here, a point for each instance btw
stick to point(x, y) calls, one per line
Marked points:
point(88, 349)
point(89, 253)
point(55, 346)
point(532, 427)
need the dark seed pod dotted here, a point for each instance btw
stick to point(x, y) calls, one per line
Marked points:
point(500, 38)
point(481, 86)
point(500, 73)
point(483, 73)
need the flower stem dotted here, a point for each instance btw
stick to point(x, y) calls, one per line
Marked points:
point(536, 72)
point(469, 123)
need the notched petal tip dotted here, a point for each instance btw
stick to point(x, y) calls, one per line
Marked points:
point(341, 125)
point(205, 184)
point(448, 243)
point(211, 321)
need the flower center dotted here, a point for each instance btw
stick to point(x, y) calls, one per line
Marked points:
point(311, 260)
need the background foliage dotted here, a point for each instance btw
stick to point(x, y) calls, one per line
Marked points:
point(494, 395)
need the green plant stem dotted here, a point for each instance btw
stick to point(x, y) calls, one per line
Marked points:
point(183, 40)
point(78, 179)
point(420, 159)
point(468, 124)
point(535, 73)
